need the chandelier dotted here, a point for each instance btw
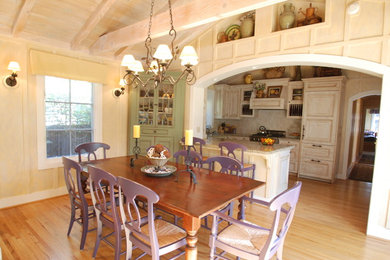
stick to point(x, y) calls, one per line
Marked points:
point(158, 64)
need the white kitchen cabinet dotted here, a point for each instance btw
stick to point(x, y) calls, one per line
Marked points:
point(295, 99)
point(227, 102)
point(294, 153)
point(320, 119)
point(246, 93)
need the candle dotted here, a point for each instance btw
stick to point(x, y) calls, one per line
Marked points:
point(136, 131)
point(189, 134)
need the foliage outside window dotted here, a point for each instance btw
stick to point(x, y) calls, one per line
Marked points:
point(68, 115)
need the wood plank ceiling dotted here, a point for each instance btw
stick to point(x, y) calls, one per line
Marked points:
point(112, 27)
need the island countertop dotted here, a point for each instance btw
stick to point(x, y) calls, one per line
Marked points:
point(253, 147)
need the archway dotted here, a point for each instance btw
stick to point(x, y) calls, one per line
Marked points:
point(195, 118)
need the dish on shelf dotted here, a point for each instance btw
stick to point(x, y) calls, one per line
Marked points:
point(156, 171)
point(233, 32)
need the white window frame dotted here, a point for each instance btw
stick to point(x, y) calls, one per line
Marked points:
point(55, 162)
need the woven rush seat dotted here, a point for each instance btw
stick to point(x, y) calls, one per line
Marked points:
point(167, 233)
point(244, 238)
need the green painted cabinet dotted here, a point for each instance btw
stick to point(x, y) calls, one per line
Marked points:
point(160, 112)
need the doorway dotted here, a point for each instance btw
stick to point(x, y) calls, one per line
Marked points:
point(365, 125)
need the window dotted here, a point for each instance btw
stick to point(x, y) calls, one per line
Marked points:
point(68, 116)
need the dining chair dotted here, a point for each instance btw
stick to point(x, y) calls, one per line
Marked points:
point(227, 165)
point(194, 157)
point(79, 200)
point(196, 141)
point(251, 241)
point(90, 149)
point(229, 149)
point(102, 186)
point(157, 237)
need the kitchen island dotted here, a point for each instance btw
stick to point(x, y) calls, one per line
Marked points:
point(272, 163)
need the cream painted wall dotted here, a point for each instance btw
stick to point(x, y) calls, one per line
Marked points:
point(359, 42)
point(21, 181)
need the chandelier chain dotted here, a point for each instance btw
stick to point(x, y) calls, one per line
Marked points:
point(170, 14)
point(150, 19)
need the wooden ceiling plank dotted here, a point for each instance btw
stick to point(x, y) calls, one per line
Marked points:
point(187, 16)
point(92, 21)
point(22, 17)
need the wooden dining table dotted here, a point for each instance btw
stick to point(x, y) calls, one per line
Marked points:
point(181, 196)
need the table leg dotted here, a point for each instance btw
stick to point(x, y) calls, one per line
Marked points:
point(191, 225)
point(241, 211)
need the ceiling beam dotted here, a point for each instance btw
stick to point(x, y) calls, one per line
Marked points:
point(187, 16)
point(92, 21)
point(22, 17)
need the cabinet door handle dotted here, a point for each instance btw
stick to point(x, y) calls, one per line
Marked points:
point(303, 132)
point(317, 145)
point(154, 131)
point(315, 160)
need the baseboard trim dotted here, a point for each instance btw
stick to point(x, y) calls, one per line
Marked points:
point(31, 197)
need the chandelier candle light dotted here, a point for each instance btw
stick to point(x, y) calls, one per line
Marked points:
point(136, 148)
point(188, 142)
point(158, 64)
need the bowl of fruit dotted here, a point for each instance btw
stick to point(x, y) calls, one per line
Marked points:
point(267, 141)
point(158, 155)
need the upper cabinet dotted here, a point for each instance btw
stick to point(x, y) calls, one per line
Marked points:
point(295, 99)
point(227, 102)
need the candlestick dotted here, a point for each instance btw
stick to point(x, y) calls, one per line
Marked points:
point(136, 151)
point(189, 135)
point(188, 164)
point(136, 131)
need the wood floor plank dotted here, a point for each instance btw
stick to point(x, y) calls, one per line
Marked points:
point(329, 223)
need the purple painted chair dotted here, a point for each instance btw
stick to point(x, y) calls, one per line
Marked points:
point(102, 186)
point(195, 157)
point(196, 141)
point(78, 199)
point(250, 241)
point(90, 149)
point(157, 237)
point(227, 165)
point(229, 149)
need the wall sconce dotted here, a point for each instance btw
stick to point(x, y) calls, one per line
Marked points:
point(117, 92)
point(10, 80)
point(353, 7)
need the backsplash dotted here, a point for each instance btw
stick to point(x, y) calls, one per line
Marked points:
point(271, 119)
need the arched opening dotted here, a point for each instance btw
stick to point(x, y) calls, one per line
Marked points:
point(381, 181)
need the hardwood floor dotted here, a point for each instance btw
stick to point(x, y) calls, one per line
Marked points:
point(329, 223)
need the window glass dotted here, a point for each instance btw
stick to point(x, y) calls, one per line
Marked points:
point(68, 115)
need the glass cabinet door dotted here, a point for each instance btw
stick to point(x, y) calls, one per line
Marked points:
point(146, 106)
point(166, 96)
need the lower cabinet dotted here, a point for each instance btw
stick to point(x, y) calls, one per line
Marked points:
point(317, 161)
point(294, 154)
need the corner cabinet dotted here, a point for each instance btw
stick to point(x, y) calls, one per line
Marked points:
point(320, 127)
point(160, 112)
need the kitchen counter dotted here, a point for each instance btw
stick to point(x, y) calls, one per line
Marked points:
point(253, 147)
point(272, 163)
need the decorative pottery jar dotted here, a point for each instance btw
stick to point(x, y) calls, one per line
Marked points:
point(247, 24)
point(287, 17)
point(247, 27)
point(248, 79)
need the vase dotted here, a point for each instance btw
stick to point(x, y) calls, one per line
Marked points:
point(287, 17)
point(247, 27)
point(248, 79)
point(259, 93)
